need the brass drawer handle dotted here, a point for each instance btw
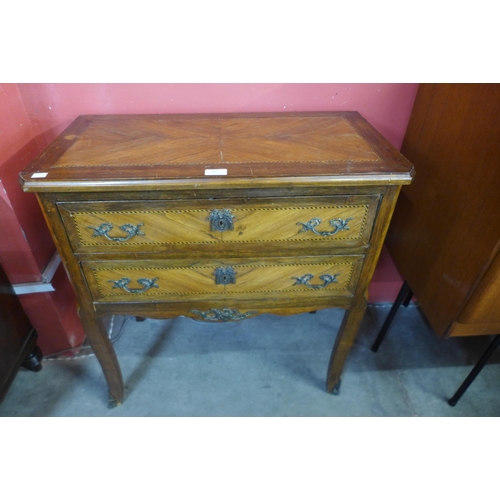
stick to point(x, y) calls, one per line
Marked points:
point(224, 314)
point(221, 220)
point(225, 276)
point(106, 227)
point(123, 283)
point(327, 279)
point(337, 224)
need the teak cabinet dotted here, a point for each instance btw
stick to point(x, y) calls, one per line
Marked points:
point(218, 217)
point(445, 233)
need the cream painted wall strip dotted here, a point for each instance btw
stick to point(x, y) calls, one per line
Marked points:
point(40, 286)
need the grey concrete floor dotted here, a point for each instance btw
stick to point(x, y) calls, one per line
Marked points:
point(267, 366)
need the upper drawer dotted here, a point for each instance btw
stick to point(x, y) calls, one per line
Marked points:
point(143, 226)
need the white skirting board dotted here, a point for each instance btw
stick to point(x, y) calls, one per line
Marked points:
point(40, 286)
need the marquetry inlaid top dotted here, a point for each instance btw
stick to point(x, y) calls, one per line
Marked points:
point(178, 141)
point(108, 149)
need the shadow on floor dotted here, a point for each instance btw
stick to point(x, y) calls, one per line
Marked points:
point(267, 366)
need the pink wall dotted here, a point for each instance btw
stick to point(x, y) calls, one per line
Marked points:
point(18, 146)
point(26, 245)
point(386, 106)
point(31, 115)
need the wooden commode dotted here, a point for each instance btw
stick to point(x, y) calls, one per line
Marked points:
point(218, 217)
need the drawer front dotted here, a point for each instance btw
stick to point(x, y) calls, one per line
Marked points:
point(150, 281)
point(148, 226)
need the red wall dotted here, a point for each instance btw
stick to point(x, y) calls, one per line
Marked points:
point(18, 146)
point(25, 243)
point(386, 106)
point(31, 115)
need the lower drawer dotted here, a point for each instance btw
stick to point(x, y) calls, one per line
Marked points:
point(181, 280)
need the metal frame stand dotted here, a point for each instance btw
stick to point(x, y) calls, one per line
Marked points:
point(474, 372)
point(403, 298)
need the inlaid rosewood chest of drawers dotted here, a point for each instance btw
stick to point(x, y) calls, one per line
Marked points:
point(218, 217)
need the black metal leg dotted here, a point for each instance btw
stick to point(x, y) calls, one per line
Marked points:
point(407, 299)
point(404, 297)
point(474, 372)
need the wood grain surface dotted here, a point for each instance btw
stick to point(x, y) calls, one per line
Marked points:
point(258, 221)
point(303, 205)
point(445, 231)
point(134, 152)
point(197, 279)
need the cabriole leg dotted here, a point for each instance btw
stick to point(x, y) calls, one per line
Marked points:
point(343, 343)
point(105, 353)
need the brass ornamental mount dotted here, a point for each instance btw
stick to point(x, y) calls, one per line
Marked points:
point(106, 227)
point(327, 279)
point(146, 283)
point(225, 276)
point(337, 224)
point(221, 220)
point(224, 314)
